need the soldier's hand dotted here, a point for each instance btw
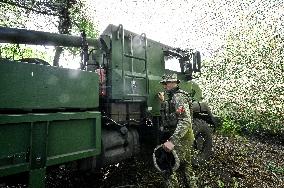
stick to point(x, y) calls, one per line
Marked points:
point(161, 96)
point(168, 146)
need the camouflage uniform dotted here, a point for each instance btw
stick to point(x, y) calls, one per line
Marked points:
point(178, 112)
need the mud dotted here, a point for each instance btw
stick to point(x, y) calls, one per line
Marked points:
point(236, 162)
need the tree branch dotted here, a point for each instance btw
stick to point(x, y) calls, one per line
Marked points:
point(28, 8)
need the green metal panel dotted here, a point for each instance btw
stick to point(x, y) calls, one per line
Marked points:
point(80, 145)
point(155, 69)
point(128, 67)
point(192, 88)
point(38, 144)
point(37, 178)
point(14, 148)
point(153, 100)
point(13, 169)
point(34, 141)
point(31, 86)
point(14, 141)
point(156, 65)
point(135, 67)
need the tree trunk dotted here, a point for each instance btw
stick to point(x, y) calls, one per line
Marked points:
point(63, 28)
point(58, 51)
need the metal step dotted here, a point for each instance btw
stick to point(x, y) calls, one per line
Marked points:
point(135, 76)
point(134, 57)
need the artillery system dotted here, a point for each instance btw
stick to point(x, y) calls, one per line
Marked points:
point(105, 112)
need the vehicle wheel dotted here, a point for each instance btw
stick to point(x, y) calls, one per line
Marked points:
point(202, 144)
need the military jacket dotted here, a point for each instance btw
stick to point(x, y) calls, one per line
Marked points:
point(178, 116)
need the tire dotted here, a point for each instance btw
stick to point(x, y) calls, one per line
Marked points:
point(202, 144)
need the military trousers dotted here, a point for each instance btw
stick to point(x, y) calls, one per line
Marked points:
point(184, 176)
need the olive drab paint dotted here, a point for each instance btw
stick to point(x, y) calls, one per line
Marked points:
point(52, 115)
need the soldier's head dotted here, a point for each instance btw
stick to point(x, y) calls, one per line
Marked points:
point(169, 81)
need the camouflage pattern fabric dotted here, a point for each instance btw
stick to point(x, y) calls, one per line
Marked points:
point(169, 78)
point(182, 138)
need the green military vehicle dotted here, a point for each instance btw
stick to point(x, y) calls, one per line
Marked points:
point(101, 114)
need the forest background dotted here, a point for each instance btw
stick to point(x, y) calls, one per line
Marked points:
point(242, 43)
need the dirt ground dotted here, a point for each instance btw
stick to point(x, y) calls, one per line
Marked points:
point(236, 162)
point(244, 162)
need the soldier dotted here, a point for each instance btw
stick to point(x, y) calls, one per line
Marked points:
point(177, 114)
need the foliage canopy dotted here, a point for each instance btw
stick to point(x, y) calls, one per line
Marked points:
point(244, 81)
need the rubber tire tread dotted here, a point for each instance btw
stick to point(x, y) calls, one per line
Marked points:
point(201, 127)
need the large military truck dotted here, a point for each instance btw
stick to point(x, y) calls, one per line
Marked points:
point(101, 114)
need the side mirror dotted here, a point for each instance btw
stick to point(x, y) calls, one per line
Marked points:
point(197, 62)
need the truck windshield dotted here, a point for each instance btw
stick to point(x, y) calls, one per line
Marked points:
point(172, 63)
